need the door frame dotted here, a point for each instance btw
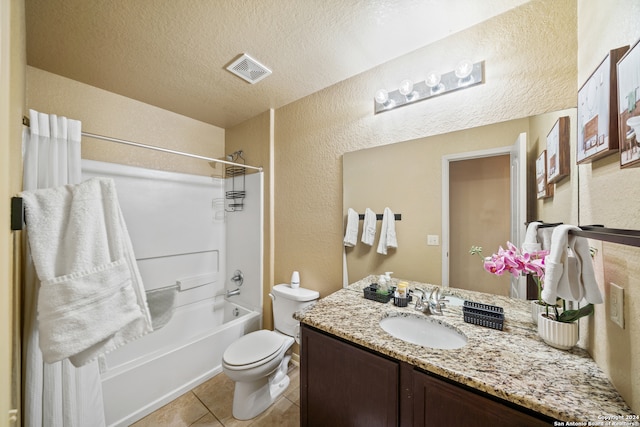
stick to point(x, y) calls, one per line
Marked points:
point(446, 160)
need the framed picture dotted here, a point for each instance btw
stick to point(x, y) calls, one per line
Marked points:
point(629, 107)
point(543, 190)
point(558, 151)
point(597, 110)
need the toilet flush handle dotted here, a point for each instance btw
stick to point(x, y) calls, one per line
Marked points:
point(273, 297)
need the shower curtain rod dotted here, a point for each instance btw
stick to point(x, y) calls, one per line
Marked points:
point(25, 121)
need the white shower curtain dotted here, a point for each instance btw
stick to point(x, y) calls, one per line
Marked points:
point(58, 394)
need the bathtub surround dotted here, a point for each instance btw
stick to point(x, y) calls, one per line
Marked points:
point(181, 246)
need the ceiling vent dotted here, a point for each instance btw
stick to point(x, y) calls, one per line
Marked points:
point(248, 69)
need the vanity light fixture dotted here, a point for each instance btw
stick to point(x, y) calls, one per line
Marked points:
point(466, 74)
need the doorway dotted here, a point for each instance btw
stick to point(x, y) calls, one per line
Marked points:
point(505, 192)
point(479, 215)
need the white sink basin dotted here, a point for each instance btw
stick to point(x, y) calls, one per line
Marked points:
point(424, 331)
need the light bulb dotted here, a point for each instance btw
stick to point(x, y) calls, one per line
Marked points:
point(463, 73)
point(464, 69)
point(382, 97)
point(406, 89)
point(433, 81)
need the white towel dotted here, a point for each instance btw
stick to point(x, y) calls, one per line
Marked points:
point(531, 238)
point(91, 298)
point(569, 270)
point(387, 232)
point(351, 233)
point(369, 227)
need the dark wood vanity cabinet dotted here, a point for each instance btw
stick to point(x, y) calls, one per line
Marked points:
point(441, 403)
point(343, 385)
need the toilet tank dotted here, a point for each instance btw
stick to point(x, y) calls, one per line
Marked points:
point(286, 301)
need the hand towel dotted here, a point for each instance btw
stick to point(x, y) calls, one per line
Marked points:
point(387, 232)
point(369, 227)
point(569, 270)
point(91, 298)
point(351, 233)
point(530, 243)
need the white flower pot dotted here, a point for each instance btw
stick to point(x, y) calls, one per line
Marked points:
point(537, 308)
point(557, 334)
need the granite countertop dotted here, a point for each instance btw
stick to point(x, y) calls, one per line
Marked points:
point(513, 364)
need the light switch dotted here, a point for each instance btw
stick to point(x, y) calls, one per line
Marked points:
point(433, 240)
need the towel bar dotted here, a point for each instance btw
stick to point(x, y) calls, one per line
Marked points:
point(397, 217)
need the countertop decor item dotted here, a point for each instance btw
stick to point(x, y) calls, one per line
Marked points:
point(517, 262)
point(561, 335)
point(487, 315)
point(373, 293)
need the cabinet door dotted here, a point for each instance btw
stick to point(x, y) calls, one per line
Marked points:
point(342, 385)
point(439, 403)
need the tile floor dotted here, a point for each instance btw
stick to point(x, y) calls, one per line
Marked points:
point(209, 405)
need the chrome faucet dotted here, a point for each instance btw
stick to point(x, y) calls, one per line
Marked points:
point(233, 292)
point(434, 303)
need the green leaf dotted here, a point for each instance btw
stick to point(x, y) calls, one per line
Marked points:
point(573, 315)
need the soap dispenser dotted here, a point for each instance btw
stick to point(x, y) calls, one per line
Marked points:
point(382, 284)
point(387, 276)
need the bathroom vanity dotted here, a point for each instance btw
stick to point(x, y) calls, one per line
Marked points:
point(355, 374)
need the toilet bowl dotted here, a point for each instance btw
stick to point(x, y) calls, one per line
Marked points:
point(258, 362)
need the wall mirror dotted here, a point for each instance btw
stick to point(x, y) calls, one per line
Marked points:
point(407, 177)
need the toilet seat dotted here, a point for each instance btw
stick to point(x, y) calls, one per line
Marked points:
point(254, 349)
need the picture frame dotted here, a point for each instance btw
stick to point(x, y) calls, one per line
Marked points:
point(543, 189)
point(628, 71)
point(558, 151)
point(597, 111)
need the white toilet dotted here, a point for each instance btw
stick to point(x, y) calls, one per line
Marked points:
point(258, 361)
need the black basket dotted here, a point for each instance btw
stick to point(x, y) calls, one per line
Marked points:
point(402, 302)
point(371, 292)
point(489, 316)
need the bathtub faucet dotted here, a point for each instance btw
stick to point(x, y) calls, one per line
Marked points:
point(233, 292)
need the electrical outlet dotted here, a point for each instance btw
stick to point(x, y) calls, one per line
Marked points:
point(433, 240)
point(616, 304)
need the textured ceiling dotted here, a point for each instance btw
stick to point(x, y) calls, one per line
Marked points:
point(173, 53)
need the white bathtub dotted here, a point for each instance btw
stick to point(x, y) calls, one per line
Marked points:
point(148, 373)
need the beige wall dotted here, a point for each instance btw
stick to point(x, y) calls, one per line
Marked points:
point(12, 87)
point(609, 195)
point(255, 138)
point(109, 114)
point(530, 69)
